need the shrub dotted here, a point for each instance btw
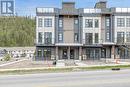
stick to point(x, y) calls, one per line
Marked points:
point(7, 57)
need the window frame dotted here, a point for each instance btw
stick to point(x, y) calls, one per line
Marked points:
point(96, 37)
point(127, 22)
point(48, 37)
point(88, 23)
point(120, 22)
point(47, 22)
point(40, 22)
point(60, 37)
point(60, 23)
point(96, 23)
point(40, 37)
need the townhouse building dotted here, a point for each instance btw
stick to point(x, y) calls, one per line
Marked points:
point(82, 33)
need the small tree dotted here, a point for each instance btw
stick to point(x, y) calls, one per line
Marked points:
point(7, 57)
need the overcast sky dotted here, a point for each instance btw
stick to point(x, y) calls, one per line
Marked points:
point(27, 7)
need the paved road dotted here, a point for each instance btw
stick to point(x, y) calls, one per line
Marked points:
point(70, 79)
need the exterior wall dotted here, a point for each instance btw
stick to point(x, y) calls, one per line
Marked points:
point(92, 30)
point(68, 25)
point(45, 29)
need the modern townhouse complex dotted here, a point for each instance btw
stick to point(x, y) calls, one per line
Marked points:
point(82, 33)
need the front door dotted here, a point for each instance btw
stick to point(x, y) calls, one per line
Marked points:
point(65, 54)
point(72, 54)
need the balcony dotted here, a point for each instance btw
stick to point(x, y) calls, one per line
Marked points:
point(90, 43)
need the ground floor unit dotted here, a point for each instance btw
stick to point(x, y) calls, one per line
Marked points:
point(81, 52)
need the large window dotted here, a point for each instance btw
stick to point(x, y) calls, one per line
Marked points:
point(60, 36)
point(120, 22)
point(48, 37)
point(128, 37)
point(40, 24)
point(96, 38)
point(48, 22)
point(96, 23)
point(128, 22)
point(40, 37)
point(120, 37)
point(93, 54)
point(89, 38)
point(89, 23)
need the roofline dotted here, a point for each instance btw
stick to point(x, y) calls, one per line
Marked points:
point(68, 2)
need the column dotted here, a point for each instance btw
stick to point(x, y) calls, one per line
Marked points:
point(113, 52)
point(57, 57)
point(80, 53)
point(68, 53)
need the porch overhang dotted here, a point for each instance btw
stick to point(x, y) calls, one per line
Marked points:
point(108, 43)
point(68, 44)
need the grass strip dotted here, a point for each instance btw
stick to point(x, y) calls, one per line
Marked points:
point(58, 70)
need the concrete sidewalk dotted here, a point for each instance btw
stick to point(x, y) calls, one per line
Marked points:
point(12, 62)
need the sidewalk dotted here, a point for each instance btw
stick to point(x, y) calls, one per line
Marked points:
point(12, 62)
point(65, 67)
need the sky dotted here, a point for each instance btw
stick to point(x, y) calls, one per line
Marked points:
point(28, 7)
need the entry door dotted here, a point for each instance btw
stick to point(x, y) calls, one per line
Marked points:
point(72, 54)
point(64, 54)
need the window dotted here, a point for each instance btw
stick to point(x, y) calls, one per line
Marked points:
point(96, 37)
point(120, 22)
point(48, 37)
point(103, 53)
point(107, 22)
point(88, 23)
point(76, 38)
point(60, 37)
point(89, 38)
point(96, 23)
point(40, 22)
point(60, 23)
point(76, 21)
point(47, 22)
point(128, 22)
point(40, 37)
point(47, 53)
point(39, 53)
point(107, 36)
point(120, 37)
point(127, 36)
